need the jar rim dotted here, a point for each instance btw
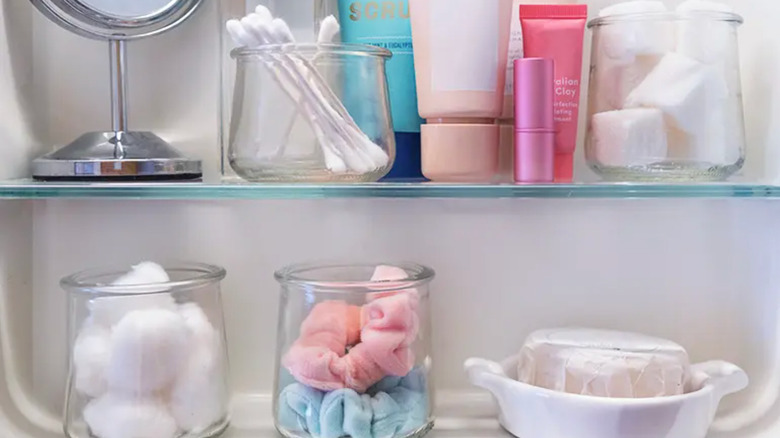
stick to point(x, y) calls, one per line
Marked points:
point(716, 16)
point(296, 275)
point(84, 282)
point(311, 49)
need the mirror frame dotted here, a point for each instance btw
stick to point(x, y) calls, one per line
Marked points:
point(79, 18)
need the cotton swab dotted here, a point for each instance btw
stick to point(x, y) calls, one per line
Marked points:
point(329, 30)
point(243, 37)
point(277, 32)
point(332, 104)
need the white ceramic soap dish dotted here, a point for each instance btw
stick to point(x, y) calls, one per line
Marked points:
point(527, 411)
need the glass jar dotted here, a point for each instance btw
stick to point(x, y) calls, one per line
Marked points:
point(665, 100)
point(353, 351)
point(301, 16)
point(148, 354)
point(311, 113)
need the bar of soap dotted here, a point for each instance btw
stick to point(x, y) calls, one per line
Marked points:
point(603, 363)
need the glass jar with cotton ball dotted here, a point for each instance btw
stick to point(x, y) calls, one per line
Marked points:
point(148, 354)
point(665, 100)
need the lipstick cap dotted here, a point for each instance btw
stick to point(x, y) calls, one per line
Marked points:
point(534, 94)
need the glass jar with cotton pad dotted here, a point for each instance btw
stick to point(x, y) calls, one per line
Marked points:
point(147, 353)
point(354, 351)
point(665, 99)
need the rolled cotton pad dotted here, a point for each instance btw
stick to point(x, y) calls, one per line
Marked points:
point(630, 137)
point(683, 89)
point(719, 143)
point(107, 311)
point(149, 349)
point(603, 363)
point(633, 7)
point(117, 416)
point(623, 41)
point(703, 6)
point(615, 81)
point(704, 37)
point(91, 355)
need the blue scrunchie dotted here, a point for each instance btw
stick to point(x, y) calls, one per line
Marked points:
point(392, 407)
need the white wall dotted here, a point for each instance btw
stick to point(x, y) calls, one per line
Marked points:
point(701, 272)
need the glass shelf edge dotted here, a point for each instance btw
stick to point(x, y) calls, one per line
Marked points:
point(26, 189)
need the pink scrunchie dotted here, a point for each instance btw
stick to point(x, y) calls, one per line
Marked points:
point(380, 335)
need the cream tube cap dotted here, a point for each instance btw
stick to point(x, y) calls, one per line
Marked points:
point(460, 152)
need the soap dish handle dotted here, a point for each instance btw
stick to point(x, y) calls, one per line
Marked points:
point(488, 375)
point(725, 378)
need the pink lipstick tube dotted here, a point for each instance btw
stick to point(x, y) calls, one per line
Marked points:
point(534, 120)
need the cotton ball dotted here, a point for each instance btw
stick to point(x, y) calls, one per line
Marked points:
point(116, 416)
point(198, 324)
point(149, 348)
point(142, 274)
point(91, 355)
point(199, 399)
point(108, 311)
point(684, 89)
point(628, 137)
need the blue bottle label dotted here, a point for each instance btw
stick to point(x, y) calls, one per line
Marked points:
point(386, 24)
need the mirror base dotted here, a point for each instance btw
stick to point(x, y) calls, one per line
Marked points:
point(116, 156)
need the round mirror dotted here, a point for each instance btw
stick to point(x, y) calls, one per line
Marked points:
point(117, 19)
point(131, 9)
point(121, 153)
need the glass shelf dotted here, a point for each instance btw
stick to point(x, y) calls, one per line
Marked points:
point(26, 189)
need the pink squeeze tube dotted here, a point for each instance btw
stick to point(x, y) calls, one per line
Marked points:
point(557, 32)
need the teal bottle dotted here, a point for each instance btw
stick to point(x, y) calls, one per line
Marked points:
point(386, 24)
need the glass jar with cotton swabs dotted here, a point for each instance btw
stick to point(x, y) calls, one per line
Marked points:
point(307, 112)
point(148, 355)
point(665, 92)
